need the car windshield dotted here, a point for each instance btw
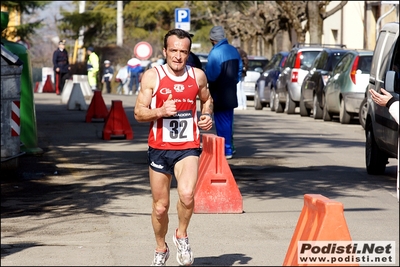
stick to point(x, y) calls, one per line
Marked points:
point(257, 63)
point(307, 58)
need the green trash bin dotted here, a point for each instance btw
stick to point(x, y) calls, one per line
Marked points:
point(11, 69)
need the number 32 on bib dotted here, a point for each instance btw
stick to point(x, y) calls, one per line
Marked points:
point(178, 128)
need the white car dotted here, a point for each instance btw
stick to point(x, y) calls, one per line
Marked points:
point(256, 66)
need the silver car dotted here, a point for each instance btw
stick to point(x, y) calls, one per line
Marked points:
point(345, 89)
point(289, 82)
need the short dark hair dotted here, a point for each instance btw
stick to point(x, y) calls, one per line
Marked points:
point(181, 34)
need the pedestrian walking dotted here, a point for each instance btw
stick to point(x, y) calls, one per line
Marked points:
point(93, 65)
point(242, 99)
point(168, 101)
point(108, 73)
point(61, 66)
point(223, 71)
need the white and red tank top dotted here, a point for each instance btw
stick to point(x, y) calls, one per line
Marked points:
point(179, 131)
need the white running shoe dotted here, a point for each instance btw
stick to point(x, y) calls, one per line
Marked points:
point(184, 254)
point(160, 258)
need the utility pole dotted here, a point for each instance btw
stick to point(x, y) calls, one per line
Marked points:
point(81, 33)
point(120, 23)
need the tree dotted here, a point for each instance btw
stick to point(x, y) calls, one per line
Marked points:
point(22, 31)
point(313, 12)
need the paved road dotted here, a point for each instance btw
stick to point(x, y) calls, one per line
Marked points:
point(86, 201)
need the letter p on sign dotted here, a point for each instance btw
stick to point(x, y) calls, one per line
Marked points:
point(182, 18)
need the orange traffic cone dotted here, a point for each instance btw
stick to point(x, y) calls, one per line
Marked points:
point(48, 85)
point(117, 123)
point(97, 108)
point(36, 87)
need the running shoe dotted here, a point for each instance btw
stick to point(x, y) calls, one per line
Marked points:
point(184, 254)
point(160, 258)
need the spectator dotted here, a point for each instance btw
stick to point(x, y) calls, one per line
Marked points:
point(168, 101)
point(93, 65)
point(160, 60)
point(194, 60)
point(123, 79)
point(108, 73)
point(61, 66)
point(135, 69)
point(242, 99)
point(223, 71)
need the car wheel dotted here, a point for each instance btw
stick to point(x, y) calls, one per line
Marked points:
point(257, 102)
point(290, 105)
point(344, 116)
point(278, 105)
point(326, 116)
point(272, 97)
point(362, 115)
point(317, 110)
point(304, 112)
point(375, 159)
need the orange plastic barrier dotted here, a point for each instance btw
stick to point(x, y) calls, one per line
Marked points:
point(216, 189)
point(117, 123)
point(321, 219)
point(48, 85)
point(97, 108)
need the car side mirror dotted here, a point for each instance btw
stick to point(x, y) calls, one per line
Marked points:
point(390, 81)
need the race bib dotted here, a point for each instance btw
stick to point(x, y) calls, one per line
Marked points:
point(178, 128)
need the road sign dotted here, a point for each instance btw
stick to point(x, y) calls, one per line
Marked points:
point(143, 50)
point(182, 18)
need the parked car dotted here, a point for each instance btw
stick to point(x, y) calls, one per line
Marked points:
point(265, 86)
point(256, 66)
point(203, 59)
point(289, 82)
point(381, 130)
point(345, 89)
point(311, 92)
point(362, 113)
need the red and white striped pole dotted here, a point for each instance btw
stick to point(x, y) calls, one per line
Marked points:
point(15, 118)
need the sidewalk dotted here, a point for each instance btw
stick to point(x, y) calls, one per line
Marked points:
point(86, 201)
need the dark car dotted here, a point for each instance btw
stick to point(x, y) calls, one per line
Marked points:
point(265, 86)
point(313, 85)
point(381, 129)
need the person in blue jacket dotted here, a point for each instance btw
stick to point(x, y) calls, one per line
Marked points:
point(223, 71)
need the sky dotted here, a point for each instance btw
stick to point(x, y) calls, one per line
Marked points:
point(48, 14)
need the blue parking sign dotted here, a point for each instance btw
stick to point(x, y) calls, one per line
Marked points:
point(182, 18)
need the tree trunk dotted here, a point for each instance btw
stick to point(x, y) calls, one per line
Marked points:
point(315, 22)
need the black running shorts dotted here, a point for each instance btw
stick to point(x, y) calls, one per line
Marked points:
point(164, 160)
